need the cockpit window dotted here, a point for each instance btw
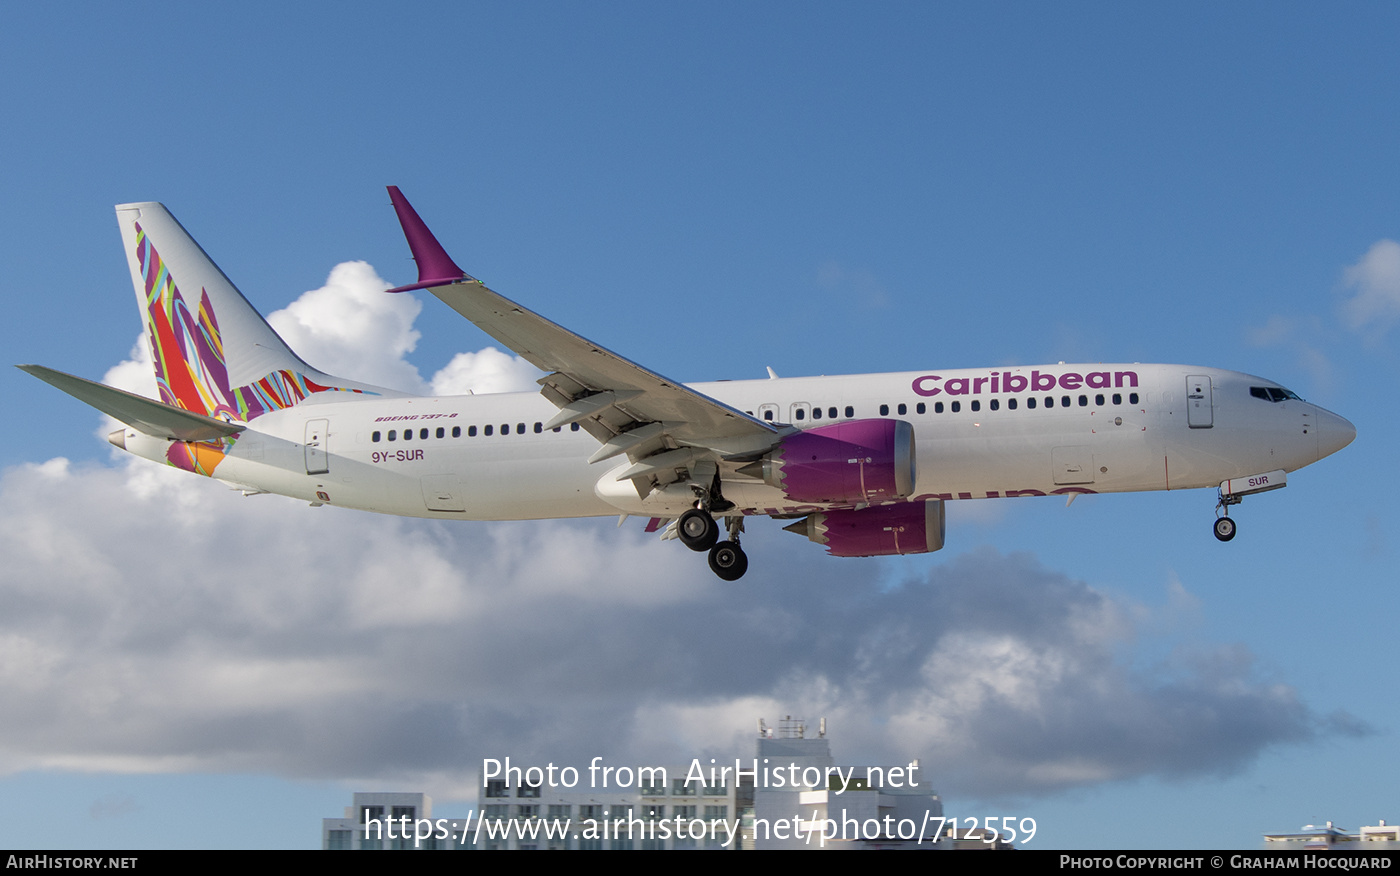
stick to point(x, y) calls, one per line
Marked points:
point(1273, 393)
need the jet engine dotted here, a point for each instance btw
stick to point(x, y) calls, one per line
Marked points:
point(852, 462)
point(879, 531)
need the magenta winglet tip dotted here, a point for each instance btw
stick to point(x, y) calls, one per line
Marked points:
point(435, 266)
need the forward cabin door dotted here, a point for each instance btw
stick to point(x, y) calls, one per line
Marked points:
point(1200, 402)
point(317, 460)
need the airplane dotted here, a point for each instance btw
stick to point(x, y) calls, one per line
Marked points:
point(862, 464)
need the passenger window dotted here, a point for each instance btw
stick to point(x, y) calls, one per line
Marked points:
point(456, 431)
point(1098, 400)
point(1011, 404)
point(831, 412)
point(489, 431)
point(374, 437)
point(921, 407)
point(471, 431)
point(1064, 401)
point(393, 434)
point(539, 427)
point(1049, 401)
point(520, 428)
point(799, 414)
point(816, 413)
point(1118, 398)
point(573, 427)
point(1030, 403)
point(423, 433)
point(903, 409)
point(768, 415)
point(441, 432)
point(884, 410)
point(850, 411)
point(1132, 398)
point(938, 407)
point(995, 405)
point(957, 406)
point(976, 405)
point(1083, 401)
point(408, 434)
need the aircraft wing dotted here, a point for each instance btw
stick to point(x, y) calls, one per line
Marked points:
point(629, 408)
point(137, 411)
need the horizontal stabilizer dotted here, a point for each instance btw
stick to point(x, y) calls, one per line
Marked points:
point(140, 413)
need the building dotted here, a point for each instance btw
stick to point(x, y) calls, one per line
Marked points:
point(1328, 836)
point(394, 821)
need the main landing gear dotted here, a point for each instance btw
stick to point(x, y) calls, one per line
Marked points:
point(698, 531)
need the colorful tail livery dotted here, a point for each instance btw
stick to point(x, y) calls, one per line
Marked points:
point(213, 353)
point(862, 464)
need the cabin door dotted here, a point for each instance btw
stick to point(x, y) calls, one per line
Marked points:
point(1200, 402)
point(317, 460)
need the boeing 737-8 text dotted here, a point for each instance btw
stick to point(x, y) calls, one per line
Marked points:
point(862, 464)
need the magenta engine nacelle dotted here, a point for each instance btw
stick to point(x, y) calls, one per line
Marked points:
point(859, 461)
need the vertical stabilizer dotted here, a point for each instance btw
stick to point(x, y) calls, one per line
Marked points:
point(213, 353)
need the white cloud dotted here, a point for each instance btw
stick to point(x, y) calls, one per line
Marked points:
point(487, 370)
point(137, 373)
point(351, 328)
point(158, 623)
point(1375, 306)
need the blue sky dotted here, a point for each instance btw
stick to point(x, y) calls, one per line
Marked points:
point(710, 190)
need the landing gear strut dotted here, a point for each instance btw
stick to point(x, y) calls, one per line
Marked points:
point(698, 531)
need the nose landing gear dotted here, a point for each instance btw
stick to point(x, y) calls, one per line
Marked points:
point(1233, 491)
point(1224, 528)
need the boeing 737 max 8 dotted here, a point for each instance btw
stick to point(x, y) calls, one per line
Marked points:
point(862, 464)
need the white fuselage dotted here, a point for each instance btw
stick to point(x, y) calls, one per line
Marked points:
point(1017, 431)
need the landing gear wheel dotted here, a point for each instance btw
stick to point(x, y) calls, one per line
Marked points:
point(697, 530)
point(1224, 528)
point(728, 561)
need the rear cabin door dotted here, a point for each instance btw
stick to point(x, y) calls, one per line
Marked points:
point(317, 460)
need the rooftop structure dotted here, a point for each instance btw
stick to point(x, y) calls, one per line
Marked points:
point(1329, 836)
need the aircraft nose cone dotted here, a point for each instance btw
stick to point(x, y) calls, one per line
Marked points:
point(1333, 433)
